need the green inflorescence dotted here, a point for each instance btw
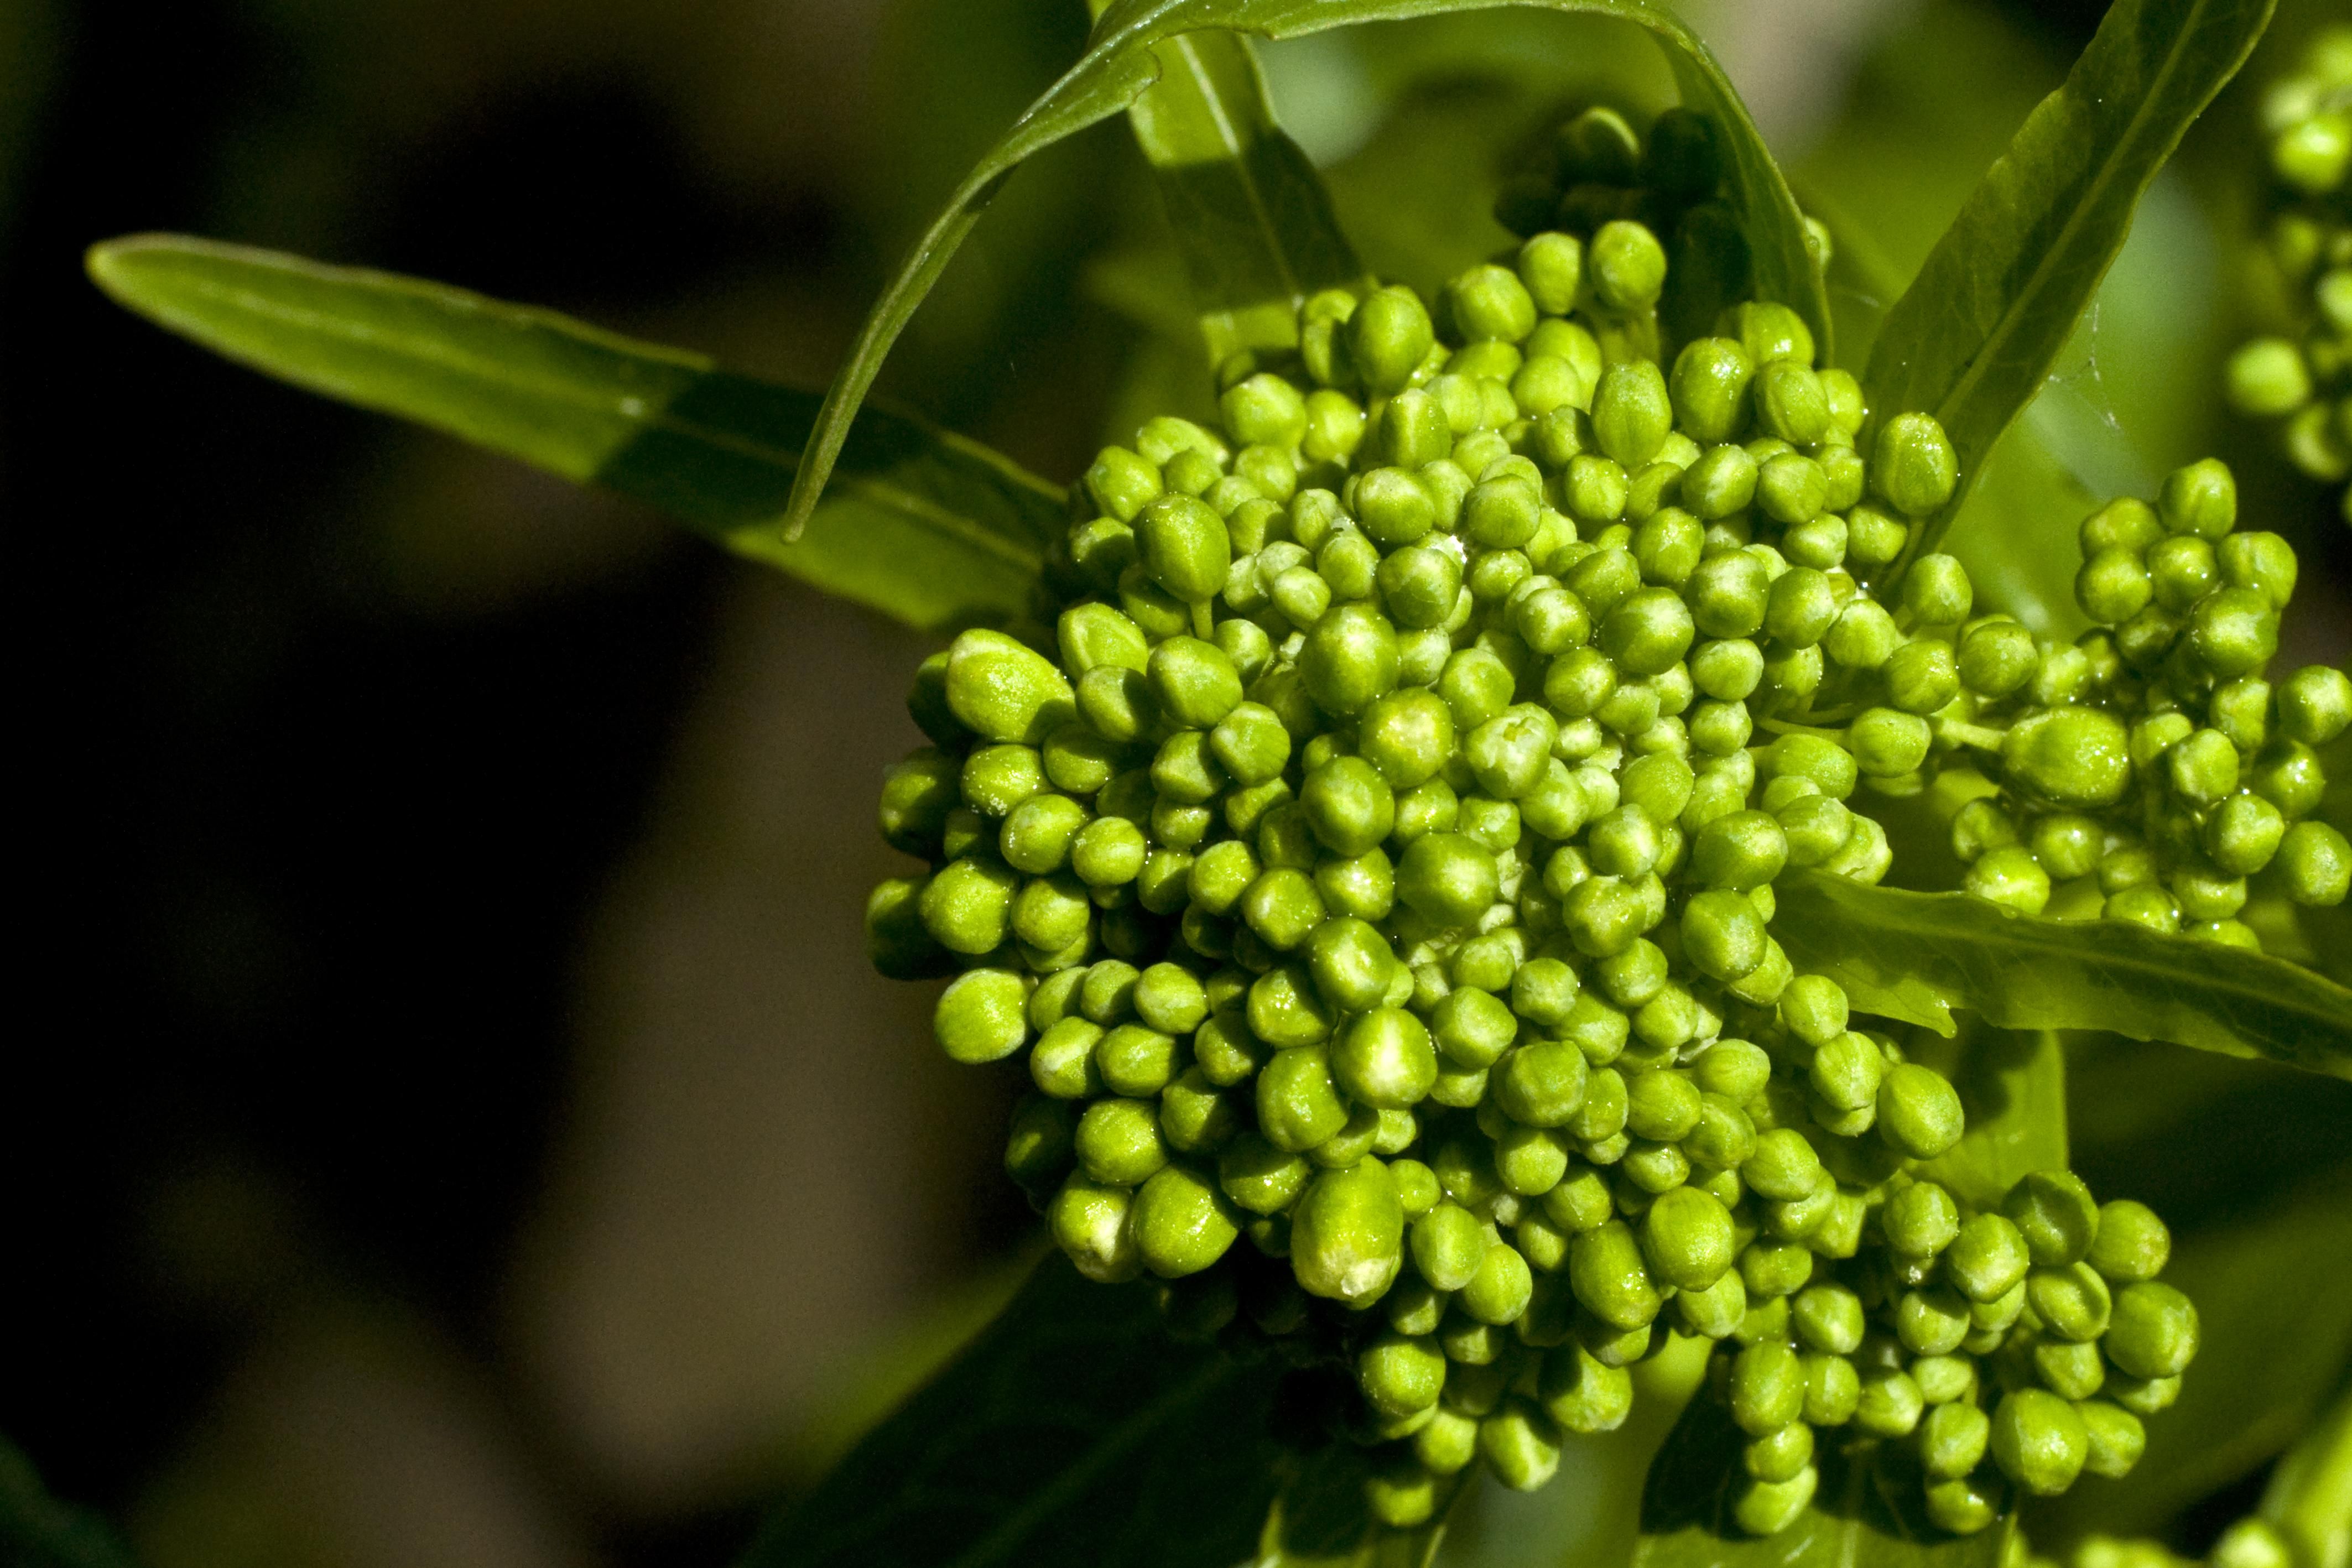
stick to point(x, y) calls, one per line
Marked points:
point(2149, 771)
point(2306, 380)
point(1373, 865)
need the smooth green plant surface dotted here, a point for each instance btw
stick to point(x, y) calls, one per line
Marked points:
point(1073, 1430)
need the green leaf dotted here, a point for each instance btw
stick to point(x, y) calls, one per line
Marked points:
point(37, 1531)
point(1251, 216)
point(924, 525)
point(1867, 1511)
point(1974, 336)
point(2012, 1084)
point(1121, 65)
point(1917, 956)
point(1072, 1432)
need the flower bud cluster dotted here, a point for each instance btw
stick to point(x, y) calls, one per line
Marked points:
point(2305, 379)
point(2149, 771)
point(1373, 871)
point(2012, 1349)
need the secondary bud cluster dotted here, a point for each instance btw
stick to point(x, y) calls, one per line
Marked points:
point(1372, 870)
point(2305, 379)
point(2149, 771)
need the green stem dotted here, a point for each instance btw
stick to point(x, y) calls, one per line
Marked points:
point(1790, 726)
point(1983, 736)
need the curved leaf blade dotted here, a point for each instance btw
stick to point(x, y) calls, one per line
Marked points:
point(1071, 1432)
point(1121, 65)
point(925, 525)
point(1974, 336)
point(1867, 1510)
point(1251, 216)
point(1917, 956)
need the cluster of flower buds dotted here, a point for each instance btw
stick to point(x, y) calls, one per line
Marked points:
point(1373, 865)
point(2148, 771)
point(2305, 379)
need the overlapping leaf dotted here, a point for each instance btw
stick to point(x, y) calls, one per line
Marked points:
point(1250, 215)
point(1867, 1510)
point(1121, 65)
point(923, 524)
point(1973, 338)
point(2012, 1084)
point(1072, 1432)
point(1917, 956)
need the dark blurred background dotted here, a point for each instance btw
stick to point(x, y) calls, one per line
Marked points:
point(451, 1119)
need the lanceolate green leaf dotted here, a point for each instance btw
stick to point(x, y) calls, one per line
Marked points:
point(1121, 65)
point(1072, 1433)
point(1867, 1510)
point(1917, 956)
point(1250, 214)
point(923, 524)
point(1976, 334)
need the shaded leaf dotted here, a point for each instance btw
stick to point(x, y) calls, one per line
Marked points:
point(1974, 337)
point(1121, 65)
point(1319, 1520)
point(1072, 1431)
point(924, 525)
point(1917, 956)
point(1251, 216)
point(37, 1531)
point(2012, 1084)
point(1867, 1509)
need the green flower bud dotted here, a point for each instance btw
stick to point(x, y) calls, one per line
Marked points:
point(1918, 1112)
point(1966, 1505)
point(1790, 404)
point(2072, 1303)
point(982, 1016)
point(1184, 547)
point(1498, 1291)
point(1609, 1278)
point(1722, 934)
point(2234, 631)
point(1890, 1406)
point(2264, 562)
point(1921, 1220)
point(1626, 266)
point(1800, 607)
point(2070, 1370)
point(1937, 590)
point(967, 907)
point(1767, 1508)
point(1181, 1223)
point(1118, 1142)
point(1887, 743)
point(1448, 878)
point(2315, 705)
point(2074, 756)
point(1987, 1258)
point(2153, 1331)
point(1002, 691)
point(2315, 863)
point(2199, 499)
point(1688, 1238)
point(1298, 1099)
point(1520, 1444)
point(1952, 1440)
point(1781, 1456)
point(2055, 1214)
point(1384, 1059)
point(1710, 392)
point(1847, 1071)
point(1631, 412)
point(1196, 683)
point(1391, 335)
point(1491, 301)
point(1090, 1223)
point(1346, 1235)
point(2130, 1243)
point(1542, 1084)
point(1552, 267)
point(2181, 571)
point(1768, 1387)
point(1259, 1176)
point(2117, 1438)
point(2038, 1440)
point(1914, 467)
point(1648, 632)
point(1833, 1389)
